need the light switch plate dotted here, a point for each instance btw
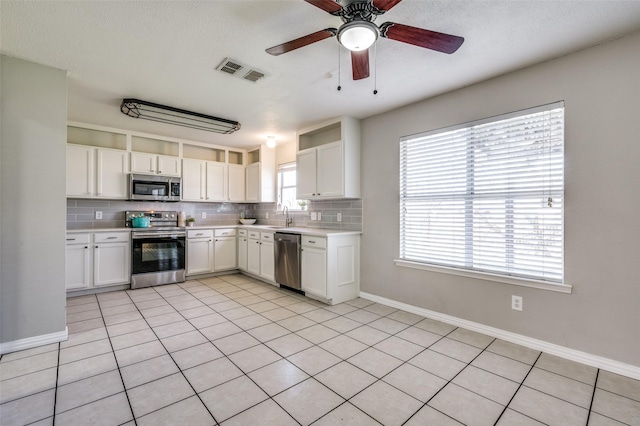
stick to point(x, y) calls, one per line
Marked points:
point(204, 215)
point(98, 215)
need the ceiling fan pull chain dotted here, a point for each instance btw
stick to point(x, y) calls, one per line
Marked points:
point(339, 72)
point(375, 69)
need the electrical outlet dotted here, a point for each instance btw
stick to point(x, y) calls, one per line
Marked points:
point(314, 216)
point(339, 217)
point(267, 215)
point(516, 303)
point(98, 215)
point(319, 215)
point(204, 215)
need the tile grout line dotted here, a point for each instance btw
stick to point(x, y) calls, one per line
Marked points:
point(117, 364)
point(593, 395)
point(517, 390)
point(55, 393)
point(172, 359)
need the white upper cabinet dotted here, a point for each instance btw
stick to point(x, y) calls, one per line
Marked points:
point(144, 163)
point(97, 164)
point(216, 182)
point(155, 156)
point(261, 175)
point(193, 179)
point(328, 160)
point(236, 182)
point(96, 172)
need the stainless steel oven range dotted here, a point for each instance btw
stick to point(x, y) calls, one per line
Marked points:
point(158, 251)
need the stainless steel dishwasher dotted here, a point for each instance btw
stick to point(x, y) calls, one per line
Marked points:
point(287, 254)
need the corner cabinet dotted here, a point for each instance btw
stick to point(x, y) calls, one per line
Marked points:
point(328, 160)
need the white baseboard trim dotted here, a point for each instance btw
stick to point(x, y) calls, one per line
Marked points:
point(32, 342)
point(550, 348)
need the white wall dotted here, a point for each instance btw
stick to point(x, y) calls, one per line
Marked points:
point(32, 200)
point(285, 153)
point(601, 90)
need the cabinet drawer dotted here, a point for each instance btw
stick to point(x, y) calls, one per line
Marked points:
point(200, 233)
point(78, 238)
point(242, 232)
point(317, 242)
point(266, 236)
point(225, 232)
point(111, 237)
point(254, 235)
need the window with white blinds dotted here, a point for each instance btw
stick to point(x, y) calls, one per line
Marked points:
point(487, 196)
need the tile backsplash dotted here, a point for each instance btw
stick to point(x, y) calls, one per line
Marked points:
point(81, 213)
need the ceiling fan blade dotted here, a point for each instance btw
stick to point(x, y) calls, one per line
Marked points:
point(326, 5)
point(385, 5)
point(420, 37)
point(360, 64)
point(301, 42)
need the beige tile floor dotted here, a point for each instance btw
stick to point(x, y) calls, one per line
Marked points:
point(233, 351)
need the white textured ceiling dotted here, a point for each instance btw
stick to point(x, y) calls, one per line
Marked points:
point(167, 52)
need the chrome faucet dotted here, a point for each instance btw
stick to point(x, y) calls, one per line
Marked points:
point(287, 220)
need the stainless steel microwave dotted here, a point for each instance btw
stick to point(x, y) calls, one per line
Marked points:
point(154, 188)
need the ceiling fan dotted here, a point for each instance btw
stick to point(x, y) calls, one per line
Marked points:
point(358, 32)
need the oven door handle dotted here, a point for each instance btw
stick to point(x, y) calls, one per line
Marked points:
point(155, 235)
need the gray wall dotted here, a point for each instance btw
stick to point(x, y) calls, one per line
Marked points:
point(601, 90)
point(32, 197)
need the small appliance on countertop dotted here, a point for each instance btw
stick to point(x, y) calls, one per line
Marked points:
point(157, 248)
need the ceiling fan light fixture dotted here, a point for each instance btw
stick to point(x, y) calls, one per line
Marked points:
point(358, 35)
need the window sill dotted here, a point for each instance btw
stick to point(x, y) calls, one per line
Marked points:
point(524, 282)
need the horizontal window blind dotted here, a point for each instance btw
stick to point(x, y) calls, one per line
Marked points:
point(487, 196)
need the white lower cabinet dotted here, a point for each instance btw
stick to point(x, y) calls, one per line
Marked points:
point(97, 260)
point(267, 257)
point(331, 267)
point(260, 256)
point(253, 253)
point(211, 250)
point(225, 252)
point(199, 251)
point(243, 245)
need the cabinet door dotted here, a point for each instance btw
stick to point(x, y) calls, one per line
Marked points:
point(236, 182)
point(216, 182)
point(253, 257)
point(111, 264)
point(242, 253)
point(306, 174)
point(141, 162)
point(199, 256)
point(225, 253)
point(78, 266)
point(253, 182)
point(193, 175)
point(169, 166)
point(267, 261)
point(330, 171)
point(314, 271)
point(80, 171)
point(112, 172)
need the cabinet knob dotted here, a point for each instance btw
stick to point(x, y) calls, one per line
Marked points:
point(96, 246)
point(86, 247)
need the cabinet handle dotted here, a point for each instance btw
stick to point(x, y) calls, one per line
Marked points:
point(111, 238)
point(200, 233)
point(71, 239)
point(311, 242)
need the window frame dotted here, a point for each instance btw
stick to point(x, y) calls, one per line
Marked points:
point(280, 185)
point(471, 271)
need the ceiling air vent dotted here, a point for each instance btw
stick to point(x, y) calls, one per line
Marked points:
point(229, 66)
point(233, 67)
point(253, 75)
